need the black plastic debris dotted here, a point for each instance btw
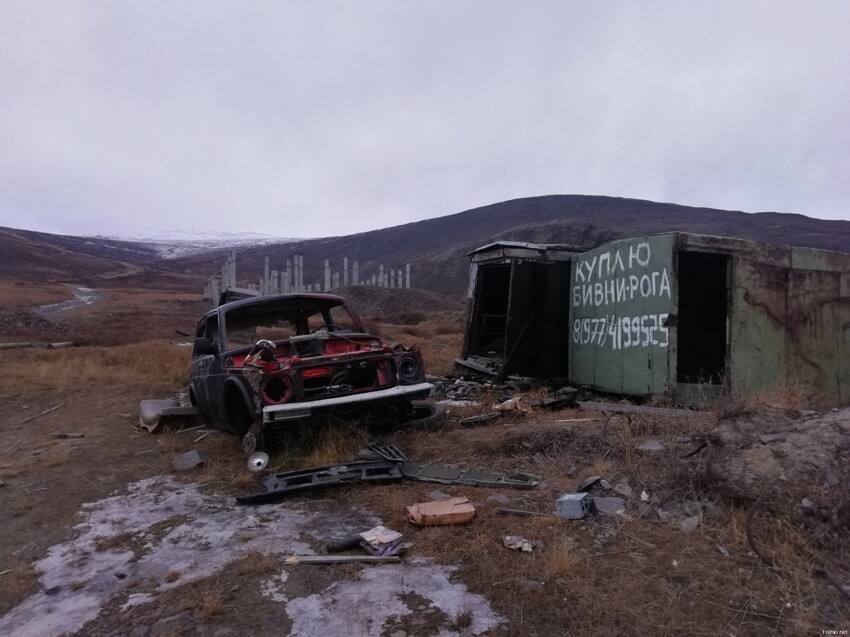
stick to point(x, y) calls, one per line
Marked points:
point(280, 485)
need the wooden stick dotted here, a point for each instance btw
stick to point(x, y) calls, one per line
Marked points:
point(46, 411)
point(339, 559)
point(12, 447)
point(523, 513)
point(182, 431)
point(4, 572)
point(201, 437)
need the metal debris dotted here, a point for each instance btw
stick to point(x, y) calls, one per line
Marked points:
point(190, 459)
point(153, 412)
point(258, 461)
point(587, 483)
point(573, 506)
point(452, 475)
point(517, 543)
point(382, 541)
point(281, 485)
point(466, 477)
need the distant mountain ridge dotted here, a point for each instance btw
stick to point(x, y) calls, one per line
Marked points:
point(436, 248)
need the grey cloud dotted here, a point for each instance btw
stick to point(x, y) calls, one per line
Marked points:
point(336, 117)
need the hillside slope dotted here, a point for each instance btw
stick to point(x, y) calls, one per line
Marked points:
point(52, 257)
point(437, 248)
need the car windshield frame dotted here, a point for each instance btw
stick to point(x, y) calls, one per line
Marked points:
point(294, 308)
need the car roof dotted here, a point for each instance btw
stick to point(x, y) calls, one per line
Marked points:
point(272, 298)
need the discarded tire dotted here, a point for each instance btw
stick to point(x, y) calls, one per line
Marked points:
point(427, 415)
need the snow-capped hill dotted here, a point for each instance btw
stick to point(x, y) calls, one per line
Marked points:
point(171, 245)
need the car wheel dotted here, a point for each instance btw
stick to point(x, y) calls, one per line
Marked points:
point(239, 419)
point(252, 442)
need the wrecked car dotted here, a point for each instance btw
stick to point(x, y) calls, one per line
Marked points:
point(262, 363)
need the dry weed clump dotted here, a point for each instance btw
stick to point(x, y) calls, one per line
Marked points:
point(336, 445)
point(18, 584)
point(561, 560)
point(439, 337)
point(255, 564)
point(791, 393)
point(208, 601)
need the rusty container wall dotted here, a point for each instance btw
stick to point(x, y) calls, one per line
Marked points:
point(621, 297)
point(817, 321)
point(788, 318)
point(757, 354)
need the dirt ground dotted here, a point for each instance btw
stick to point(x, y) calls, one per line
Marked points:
point(734, 523)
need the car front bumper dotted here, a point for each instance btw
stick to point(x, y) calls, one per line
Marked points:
point(366, 400)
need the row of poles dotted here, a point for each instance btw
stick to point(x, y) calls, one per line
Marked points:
point(291, 278)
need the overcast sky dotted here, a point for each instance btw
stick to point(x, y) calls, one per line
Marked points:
point(326, 118)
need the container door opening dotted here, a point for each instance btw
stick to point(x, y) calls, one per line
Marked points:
point(703, 310)
point(492, 316)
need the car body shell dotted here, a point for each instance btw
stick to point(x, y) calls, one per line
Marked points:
point(287, 357)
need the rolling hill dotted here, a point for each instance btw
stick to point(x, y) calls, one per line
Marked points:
point(436, 248)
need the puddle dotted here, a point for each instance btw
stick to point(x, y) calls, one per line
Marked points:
point(82, 296)
point(162, 527)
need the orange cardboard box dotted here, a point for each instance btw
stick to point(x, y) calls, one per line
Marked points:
point(451, 511)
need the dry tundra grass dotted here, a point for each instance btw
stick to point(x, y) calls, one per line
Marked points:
point(15, 294)
point(150, 363)
point(597, 576)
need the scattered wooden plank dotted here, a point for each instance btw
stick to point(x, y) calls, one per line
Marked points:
point(201, 437)
point(6, 571)
point(522, 513)
point(46, 411)
point(61, 345)
point(618, 408)
point(183, 431)
point(339, 559)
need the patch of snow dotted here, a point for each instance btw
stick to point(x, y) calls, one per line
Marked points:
point(161, 528)
point(137, 599)
point(208, 532)
point(273, 587)
point(171, 245)
point(362, 607)
point(82, 296)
